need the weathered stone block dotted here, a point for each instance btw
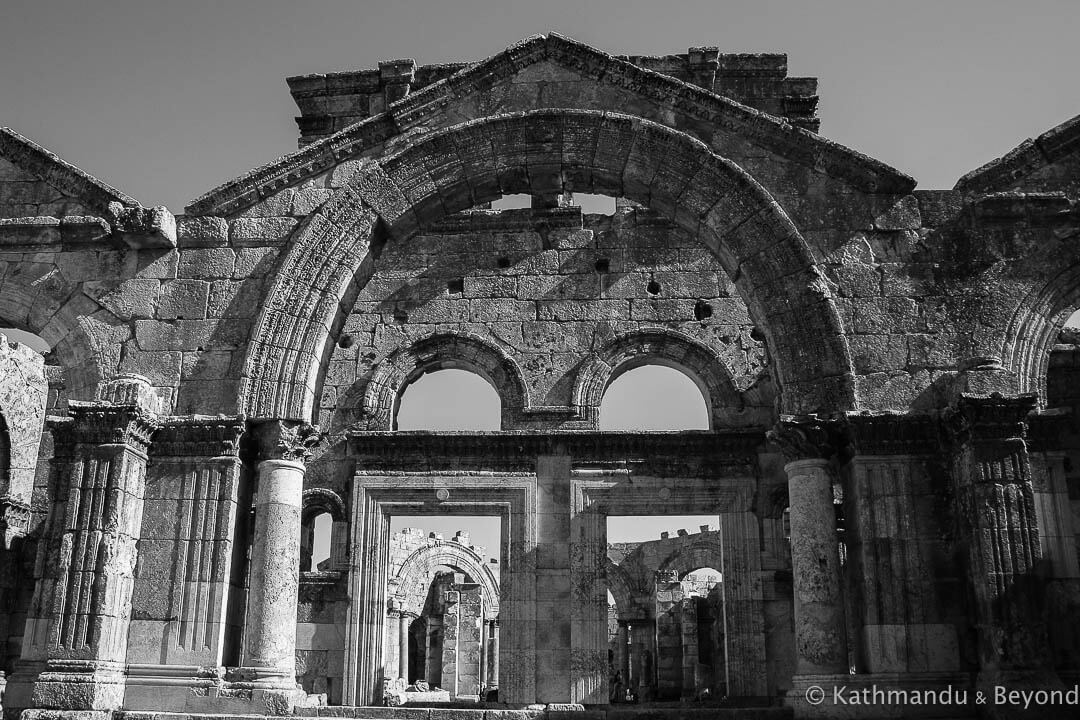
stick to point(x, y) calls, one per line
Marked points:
point(261, 230)
point(205, 231)
point(206, 263)
point(182, 299)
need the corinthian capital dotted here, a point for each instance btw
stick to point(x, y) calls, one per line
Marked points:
point(806, 438)
point(286, 440)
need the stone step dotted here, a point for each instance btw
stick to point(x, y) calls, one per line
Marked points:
point(611, 713)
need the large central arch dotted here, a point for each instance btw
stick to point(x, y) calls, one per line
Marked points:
point(539, 152)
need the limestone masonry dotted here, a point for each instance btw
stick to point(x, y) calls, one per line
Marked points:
point(892, 470)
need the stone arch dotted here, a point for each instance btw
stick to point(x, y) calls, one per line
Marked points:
point(315, 502)
point(1034, 327)
point(657, 346)
point(440, 352)
point(700, 553)
point(621, 588)
point(547, 151)
point(49, 310)
point(319, 500)
point(413, 574)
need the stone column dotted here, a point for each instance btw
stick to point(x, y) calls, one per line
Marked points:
point(391, 658)
point(644, 633)
point(622, 655)
point(743, 606)
point(270, 637)
point(404, 623)
point(686, 611)
point(996, 511)
point(100, 466)
point(820, 637)
point(493, 661)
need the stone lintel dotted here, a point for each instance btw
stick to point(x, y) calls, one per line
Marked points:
point(892, 434)
point(199, 436)
point(713, 452)
point(990, 419)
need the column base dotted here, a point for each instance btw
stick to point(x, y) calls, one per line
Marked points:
point(79, 685)
point(884, 696)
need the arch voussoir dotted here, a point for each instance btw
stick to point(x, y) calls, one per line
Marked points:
point(538, 152)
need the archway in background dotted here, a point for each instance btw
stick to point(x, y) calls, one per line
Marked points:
point(549, 151)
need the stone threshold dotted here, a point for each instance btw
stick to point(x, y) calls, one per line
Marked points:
point(550, 712)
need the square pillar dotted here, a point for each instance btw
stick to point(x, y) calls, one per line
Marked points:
point(85, 593)
point(186, 579)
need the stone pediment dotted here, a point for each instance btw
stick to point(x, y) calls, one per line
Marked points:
point(1046, 163)
point(605, 83)
point(25, 161)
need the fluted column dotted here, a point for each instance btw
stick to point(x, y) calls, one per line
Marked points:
point(820, 632)
point(270, 638)
point(996, 510)
point(100, 466)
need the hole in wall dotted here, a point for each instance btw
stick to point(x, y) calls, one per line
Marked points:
point(346, 341)
point(503, 263)
point(702, 310)
point(456, 286)
point(595, 204)
point(512, 202)
point(652, 287)
point(603, 265)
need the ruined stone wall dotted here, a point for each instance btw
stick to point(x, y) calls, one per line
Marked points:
point(550, 291)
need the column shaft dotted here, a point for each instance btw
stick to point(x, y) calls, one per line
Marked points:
point(275, 562)
point(404, 621)
point(820, 636)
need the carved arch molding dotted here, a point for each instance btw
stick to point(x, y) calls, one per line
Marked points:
point(539, 152)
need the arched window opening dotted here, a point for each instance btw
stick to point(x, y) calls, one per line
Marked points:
point(316, 543)
point(323, 534)
point(512, 202)
point(449, 400)
point(653, 397)
point(595, 204)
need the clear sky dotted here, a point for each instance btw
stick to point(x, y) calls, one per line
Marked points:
point(165, 100)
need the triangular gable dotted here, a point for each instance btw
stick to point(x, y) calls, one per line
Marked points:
point(1018, 169)
point(39, 163)
point(766, 131)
